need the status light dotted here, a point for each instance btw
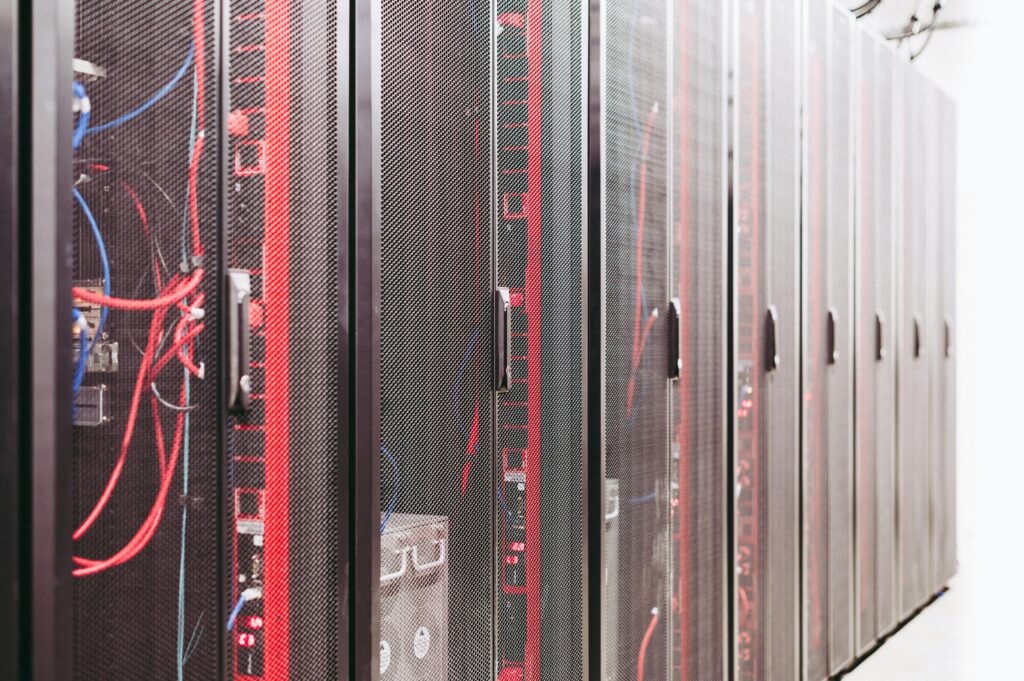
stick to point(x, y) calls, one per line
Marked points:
point(246, 640)
point(254, 622)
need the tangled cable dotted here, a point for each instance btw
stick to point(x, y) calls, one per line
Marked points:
point(180, 293)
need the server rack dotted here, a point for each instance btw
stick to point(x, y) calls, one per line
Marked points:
point(766, 344)
point(209, 254)
point(827, 393)
point(912, 369)
point(699, 225)
point(944, 545)
point(636, 116)
point(875, 497)
point(470, 221)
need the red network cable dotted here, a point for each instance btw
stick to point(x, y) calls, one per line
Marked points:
point(642, 656)
point(640, 338)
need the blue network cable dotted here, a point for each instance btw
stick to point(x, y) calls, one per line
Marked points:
point(103, 261)
point(160, 94)
point(84, 109)
point(394, 489)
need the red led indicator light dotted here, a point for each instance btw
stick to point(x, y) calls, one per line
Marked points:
point(254, 622)
point(246, 640)
point(517, 546)
point(511, 560)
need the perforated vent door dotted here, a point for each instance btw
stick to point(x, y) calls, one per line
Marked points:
point(840, 373)
point(886, 235)
point(875, 357)
point(698, 398)
point(540, 211)
point(946, 559)
point(637, 113)
point(432, 195)
point(146, 586)
point(284, 497)
point(913, 475)
point(766, 288)
point(817, 314)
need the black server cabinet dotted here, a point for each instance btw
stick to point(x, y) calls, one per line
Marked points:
point(766, 343)
point(875, 380)
point(944, 559)
point(208, 266)
point(636, 122)
point(469, 387)
point(698, 416)
point(912, 367)
point(827, 341)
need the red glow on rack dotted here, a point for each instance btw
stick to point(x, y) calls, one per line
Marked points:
point(511, 560)
point(517, 546)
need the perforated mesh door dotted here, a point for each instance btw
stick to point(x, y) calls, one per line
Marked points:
point(874, 498)
point(912, 476)
point(148, 176)
point(698, 398)
point(766, 249)
point(637, 277)
point(840, 374)
point(816, 359)
point(539, 230)
point(946, 560)
point(284, 497)
point(431, 203)
point(886, 235)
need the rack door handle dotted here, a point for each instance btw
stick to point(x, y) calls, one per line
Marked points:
point(675, 360)
point(833, 323)
point(918, 340)
point(239, 290)
point(879, 337)
point(502, 339)
point(771, 341)
point(949, 339)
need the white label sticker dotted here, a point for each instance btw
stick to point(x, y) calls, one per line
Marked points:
point(421, 642)
point(385, 656)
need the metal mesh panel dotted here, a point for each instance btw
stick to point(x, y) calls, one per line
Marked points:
point(912, 367)
point(284, 497)
point(947, 560)
point(148, 174)
point(766, 235)
point(540, 251)
point(637, 238)
point(886, 235)
point(431, 142)
point(840, 373)
point(875, 496)
point(698, 398)
point(816, 310)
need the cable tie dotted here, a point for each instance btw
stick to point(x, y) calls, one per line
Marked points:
point(197, 313)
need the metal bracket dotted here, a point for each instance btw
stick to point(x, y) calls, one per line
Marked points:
point(239, 288)
point(502, 339)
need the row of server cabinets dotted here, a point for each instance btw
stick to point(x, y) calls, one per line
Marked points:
point(506, 339)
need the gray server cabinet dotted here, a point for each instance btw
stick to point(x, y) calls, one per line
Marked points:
point(698, 282)
point(875, 380)
point(827, 342)
point(912, 367)
point(944, 560)
point(765, 344)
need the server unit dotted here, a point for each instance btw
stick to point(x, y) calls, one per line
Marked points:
point(875, 381)
point(635, 170)
point(208, 368)
point(912, 367)
point(472, 239)
point(944, 545)
point(766, 344)
point(698, 224)
point(827, 341)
